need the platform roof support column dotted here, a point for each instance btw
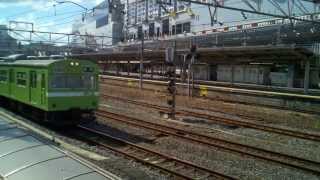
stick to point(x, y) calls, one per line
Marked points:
point(152, 71)
point(117, 70)
point(232, 74)
point(184, 68)
point(291, 73)
point(306, 76)
point(128, 68)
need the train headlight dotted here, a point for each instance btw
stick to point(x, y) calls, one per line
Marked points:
point(72, 64)
point(77, 64)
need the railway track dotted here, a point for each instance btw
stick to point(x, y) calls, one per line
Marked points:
point(234, 147)
point(226, 121)
point(171, 165)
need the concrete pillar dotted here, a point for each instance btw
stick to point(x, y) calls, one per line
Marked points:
point(117, 66)
point(151, 71)
point(208, 72)
point(184, 68)
point(306, 76)
point(291, 73)
point(128, 68)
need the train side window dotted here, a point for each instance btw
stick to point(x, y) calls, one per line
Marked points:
point(3, 76)
point(43, 81)
point(33, 79)
point(21, 78)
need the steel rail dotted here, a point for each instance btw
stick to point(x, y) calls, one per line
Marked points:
point(252, 151)
point(226, 121)
point(156, 159)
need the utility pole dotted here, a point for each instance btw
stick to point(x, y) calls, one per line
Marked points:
point(193, 53)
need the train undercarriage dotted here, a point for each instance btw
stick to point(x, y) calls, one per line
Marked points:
point(57, 118)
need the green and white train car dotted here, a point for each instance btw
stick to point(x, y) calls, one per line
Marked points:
point(57, 90)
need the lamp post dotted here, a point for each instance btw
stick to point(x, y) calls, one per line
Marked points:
point(79, 5)
point(63, 2)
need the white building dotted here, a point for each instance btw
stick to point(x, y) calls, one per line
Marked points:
point(192, 19)
point(98, 26)
point(133, 18)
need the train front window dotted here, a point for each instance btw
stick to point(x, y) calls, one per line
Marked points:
point(73, 81)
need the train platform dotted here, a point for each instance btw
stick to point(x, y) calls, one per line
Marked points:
point(25, 156)
point(276, 99)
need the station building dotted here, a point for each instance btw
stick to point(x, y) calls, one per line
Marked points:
point(159, 22)
point(192, 24)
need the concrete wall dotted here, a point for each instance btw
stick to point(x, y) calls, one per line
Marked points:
point(201, 71)
point(263, 98)
point(279, 79)
point(243, 73)
point(315, 78)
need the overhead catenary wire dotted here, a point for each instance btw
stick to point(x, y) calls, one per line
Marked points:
point(58, 14)
point(54, 25)
point(55, 33)
point(217, 5)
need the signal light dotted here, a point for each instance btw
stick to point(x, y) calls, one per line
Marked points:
point(171, 89)
point(193, 48)
point(171, 83)
point(170, 102)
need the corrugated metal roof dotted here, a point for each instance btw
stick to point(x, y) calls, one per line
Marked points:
point(24, 157)
point(30, 62)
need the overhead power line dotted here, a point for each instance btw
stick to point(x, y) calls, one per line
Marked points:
point(52, 25)
point(217, 5)
point(53, 33)
point(60, 14)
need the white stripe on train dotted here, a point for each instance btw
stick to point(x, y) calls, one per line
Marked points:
point(71, 94)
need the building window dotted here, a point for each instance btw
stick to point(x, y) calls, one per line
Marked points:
point(165, 27)
point(158, 31)
point(140, 31)
point(173, 30)
point(181, 7)
point(179, 29)
point(151, 29)
point(102, 21)
point(186, 27)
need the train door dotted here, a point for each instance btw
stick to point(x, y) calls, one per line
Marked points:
point(34, 97)
point(11, 81)
point(43, 88)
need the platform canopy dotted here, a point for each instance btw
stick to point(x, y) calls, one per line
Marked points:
point(248, 54)
point(255, 54)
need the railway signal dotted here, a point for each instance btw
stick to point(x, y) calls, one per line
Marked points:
point(171, 74)
point(171, 101)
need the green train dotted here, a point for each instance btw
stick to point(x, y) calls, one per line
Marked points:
point(58, 91)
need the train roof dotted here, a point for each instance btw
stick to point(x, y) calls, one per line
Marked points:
point(43, 63)
point(24, 156)
point(38, 63)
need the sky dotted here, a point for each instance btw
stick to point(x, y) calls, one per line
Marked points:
point(46, 15)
